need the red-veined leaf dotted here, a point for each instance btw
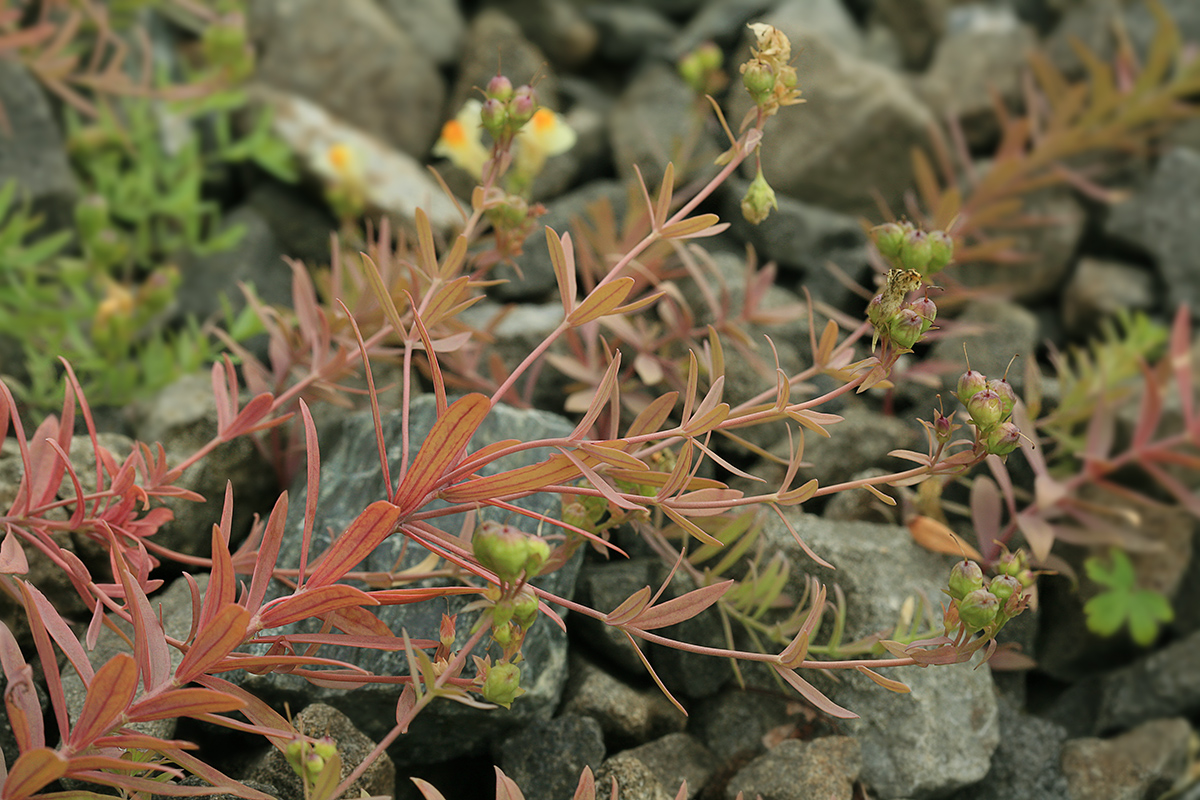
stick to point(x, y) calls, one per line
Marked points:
point(713, 495)
point(812, 695)
point(313, 602)
point(694, 228)
point(629, 608)
point(555, 469)
point(800, 494)
point(214, 641)
point(426, 788)
point(603, 391)
point(20, 695)
point(188, 702)
point(1181, 363)
point(12, 557)
point(613, 452)
point(365, 533)
point(441, 448)
point(653, 416)
point(142, 741)
point(562, 259)
point(31, 771)
point(688, 526)
point(506, 787)
point(108, 696)
point(680, 608)
point(601, 301)
point(268, 552)
point(222, 586)
point(149, 642)
point(586, 790)
point(660, 479)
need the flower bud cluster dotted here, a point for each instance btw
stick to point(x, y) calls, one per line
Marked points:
point(908, 247)
point(896, 321)
point(983, 604)
point(990, 404)
point(701, 69)
point(309, 758)
point(767, 76)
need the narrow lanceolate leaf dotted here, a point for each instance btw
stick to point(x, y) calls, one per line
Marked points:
point(812, 694)
point(701, 424)
point(653, 416)
point(613, 452)
point(189, 702)
point(680, 608)
point(445, 299)
point(31, 771)
point(213, 642)
point(629, 608)
point(1181, 363)
point(689, 527)
point(798, 495)
point(149, 642)
point(601, 301)
point(268, 550)
point(556, 469)
point(887, 683)
point(694, 228)
point(562, 259)
point(111, 691)
point(313, 602)
point(442, 447)
point(369, 529)
point(722, 497)
point(426, 788)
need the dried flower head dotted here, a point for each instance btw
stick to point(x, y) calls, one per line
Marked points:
point(768, 76)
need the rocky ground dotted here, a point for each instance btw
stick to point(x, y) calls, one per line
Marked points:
point(1097, 718)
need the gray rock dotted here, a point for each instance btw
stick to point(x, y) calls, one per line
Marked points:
point(33, 153)
point(316, 720)
point(183, 417)
point(300, 225)
point(350, 481)
point(794, 770)
point(546, 758)
point(1048, 251)
point(1162, 684)
point(496, 44)
point(1099, 289)
point(627, 716)
point(1145, 762)
point(732, 723)
point(1151, 220)
point(560, 29)
point(635, 780)
point(852, 138)
point(629, 33)
point(937, 738)
point(918, 25)
point(256, 259)
point(861, 440)
point(435, 26)
point(675, 759)
point(973, 65)
point(825, 19)
point(656, 120)
point(720, 21)
point(806, 238)
point(355, 62)
point(1026, 762)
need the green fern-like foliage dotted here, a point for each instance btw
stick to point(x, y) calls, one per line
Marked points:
point(1107, 372)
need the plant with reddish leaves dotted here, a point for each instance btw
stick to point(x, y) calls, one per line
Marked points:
point(646, 470)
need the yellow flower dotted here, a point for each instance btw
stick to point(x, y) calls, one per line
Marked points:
point(460, 142)
point(546, 134)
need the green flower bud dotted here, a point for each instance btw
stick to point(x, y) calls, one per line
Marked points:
point(978, 609)
point(943, 427)
point(502, 613)
point(325, 747)
point(525, 608)
point(969, 384)
point(906, 328)
point(1008, 398)
point(499, 88)
point(965, 577)
point(889, 238)
point(941, 251)
point(501, 548)
point(986, 409)
point(295, 752)
point(1003, 439)
point(759, 80)
point(1013, 563)
point(522, 106)
point(539, 552)
point(1004, 587)
point(504, 634)
point(759, 200)
point(916, 251)
point(927, 309)
point(494, 117)
point(502, 684)
point(314, 765)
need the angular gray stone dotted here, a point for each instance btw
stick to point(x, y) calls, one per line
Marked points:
point(918, 25)
point(1098, 289)
point(1161, 684)
point(795, 770)
point(627, 716)
point(546, 758)
point(437, 27)
point(354, 61)
point(937, 738)
point(558, 27)
point(495, 43)
point(32, 151)
point(350, 481)
point(1026, 763)
point(675, 759)
point(1145, 762)
point(1153, 220)
point(635, 781)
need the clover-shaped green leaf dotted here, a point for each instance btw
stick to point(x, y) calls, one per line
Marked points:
point(1123, 603)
